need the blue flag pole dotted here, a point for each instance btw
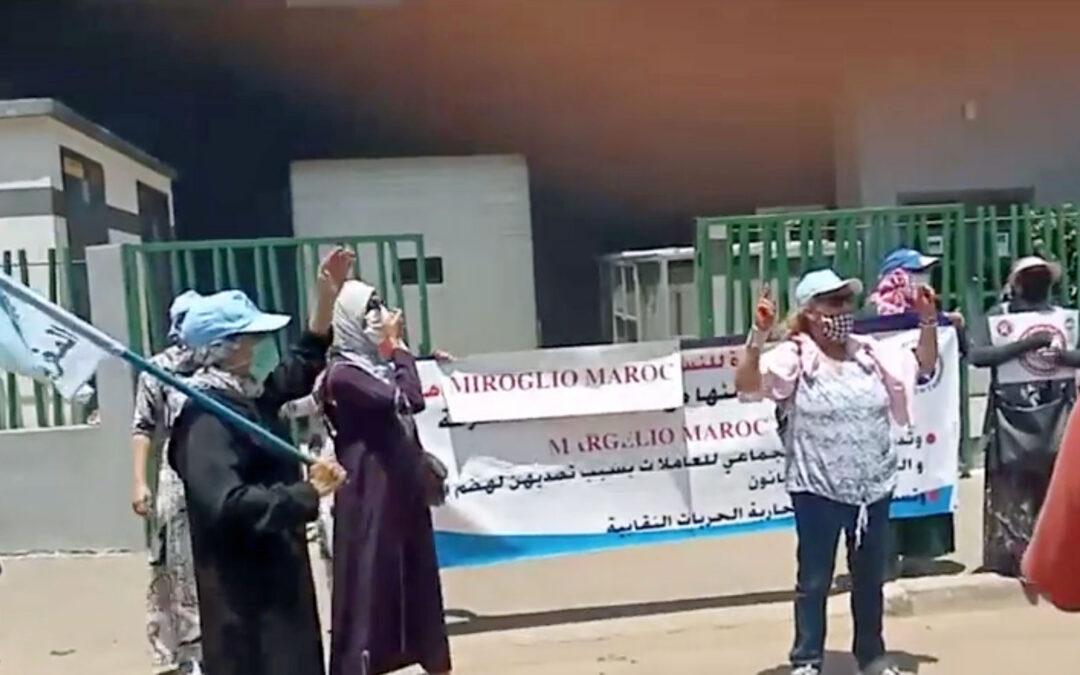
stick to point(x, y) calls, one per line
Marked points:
point(115, 348)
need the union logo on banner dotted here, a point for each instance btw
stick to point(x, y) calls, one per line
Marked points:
point(1038, 362)
point(1039, 365)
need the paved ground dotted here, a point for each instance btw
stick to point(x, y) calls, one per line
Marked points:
point(1019, 641)
point(84, 614)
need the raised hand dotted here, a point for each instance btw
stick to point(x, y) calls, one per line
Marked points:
point(333, 271)
point(765, 312)
point(926, 303)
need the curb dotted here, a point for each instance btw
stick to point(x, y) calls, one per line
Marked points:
point(905, 598)
point(935, 595)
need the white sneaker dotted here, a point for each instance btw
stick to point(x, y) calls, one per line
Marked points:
point(805, 670)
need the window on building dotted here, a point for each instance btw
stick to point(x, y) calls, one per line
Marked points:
point(433, 271)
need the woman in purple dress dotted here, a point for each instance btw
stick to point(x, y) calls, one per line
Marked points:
point(387, 598)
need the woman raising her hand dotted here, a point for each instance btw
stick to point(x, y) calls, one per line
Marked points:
point(836, 394)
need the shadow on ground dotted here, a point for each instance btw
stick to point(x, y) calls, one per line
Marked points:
point(465, 622)
point(929, 568)
point(838, 663)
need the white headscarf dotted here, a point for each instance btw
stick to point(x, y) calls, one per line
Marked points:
point(358, 323)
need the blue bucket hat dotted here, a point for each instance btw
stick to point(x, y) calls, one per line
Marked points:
point(178, 310)
point(906, 259)
point(823, 282)
point(215, 317)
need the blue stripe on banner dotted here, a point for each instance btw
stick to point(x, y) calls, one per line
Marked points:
point(459, 549)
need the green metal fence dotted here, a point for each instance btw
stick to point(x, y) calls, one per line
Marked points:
point(279, 275)
point(28, 404)
point(735, 255)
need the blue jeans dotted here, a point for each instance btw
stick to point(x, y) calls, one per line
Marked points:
point(818, 522)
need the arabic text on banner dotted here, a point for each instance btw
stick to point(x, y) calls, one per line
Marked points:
point(564, 382)
point(714, 466)
point(34, 345)
point(1034, 366)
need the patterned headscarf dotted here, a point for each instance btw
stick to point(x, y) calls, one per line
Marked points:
point(895, 293)
point(212, 374)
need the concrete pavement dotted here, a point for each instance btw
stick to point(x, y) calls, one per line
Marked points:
point(84, 614)
point(1014, 641)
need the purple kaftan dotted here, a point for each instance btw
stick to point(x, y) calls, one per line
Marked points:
point(387, 598)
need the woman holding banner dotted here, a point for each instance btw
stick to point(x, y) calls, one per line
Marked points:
point(1024, 419)
point(172, 622)
point(247, 505)
point(387, 597)
point(913, 541)
point(835, 395)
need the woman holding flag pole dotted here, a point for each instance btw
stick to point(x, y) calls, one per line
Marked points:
point(247, 507)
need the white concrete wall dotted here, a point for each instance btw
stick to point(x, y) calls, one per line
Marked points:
point(472, 211)
point(903, 127)
point(28, 154)
point(67, 489)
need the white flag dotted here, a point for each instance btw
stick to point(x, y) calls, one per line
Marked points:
point(38, 346)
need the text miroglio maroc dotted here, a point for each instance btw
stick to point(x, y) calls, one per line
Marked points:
point(539, 380)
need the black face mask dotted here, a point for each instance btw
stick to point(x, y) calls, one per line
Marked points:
point(1034, 287)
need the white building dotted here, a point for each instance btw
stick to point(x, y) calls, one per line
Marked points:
point(66, 184)
point(474, 215)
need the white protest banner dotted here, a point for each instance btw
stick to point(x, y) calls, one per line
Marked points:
point(709, 374)
point(573, 484)
point(564, 382)
point(1034, 366)
point(928, 451)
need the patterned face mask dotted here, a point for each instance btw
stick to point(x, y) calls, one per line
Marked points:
point(838, 326)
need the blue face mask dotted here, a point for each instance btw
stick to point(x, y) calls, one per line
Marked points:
point(264, 359)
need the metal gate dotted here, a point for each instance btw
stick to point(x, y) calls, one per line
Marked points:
point(735, 255)
point(278, 274)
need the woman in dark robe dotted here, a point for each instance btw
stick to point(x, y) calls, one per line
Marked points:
point(387, 597)
point(248, 505)
point(1023, 421)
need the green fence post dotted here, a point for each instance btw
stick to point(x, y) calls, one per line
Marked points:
point(174, 272)
point(979, 273)
point(301, 285)
point(260, 276)
point(745, 291)
point(383, 287)
point(1059, 223)
point(190, 277)
point(703, 278)
point(54, 297)
point(39, 390)
point(709, 271)
point(14, 412)
point(219, 269)
point(421, 283)
point(232, 268)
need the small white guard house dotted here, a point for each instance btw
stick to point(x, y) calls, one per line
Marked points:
point(67, 183)
point(649, 295)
